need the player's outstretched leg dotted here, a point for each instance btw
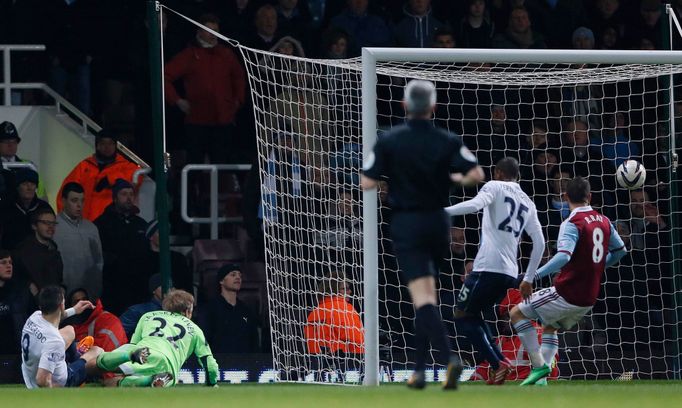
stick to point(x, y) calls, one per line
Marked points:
point(529, 338)
point(124, 354)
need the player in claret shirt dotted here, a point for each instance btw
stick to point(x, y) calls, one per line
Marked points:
point(587, 244)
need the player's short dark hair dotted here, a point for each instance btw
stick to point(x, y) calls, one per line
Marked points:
point(508, 166)
point(50, 298)
point(577, 190)
point(71, 187)
point(35, 215)
point(208, 18)
point(177, 301)
point(445, 30)
point(5, 254)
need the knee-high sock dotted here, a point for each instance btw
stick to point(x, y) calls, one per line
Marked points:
point(429, 324)
point(491, 339)
point(111, 360)
point(529, 338)
point(472, 328)
point(136, 381)
point(549, 348)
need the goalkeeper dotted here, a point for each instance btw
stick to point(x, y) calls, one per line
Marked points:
point(164, 339)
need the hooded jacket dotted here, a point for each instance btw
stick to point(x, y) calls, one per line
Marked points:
point(104, 327)
point(416, 31)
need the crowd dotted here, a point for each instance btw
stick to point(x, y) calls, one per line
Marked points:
point(96, 245)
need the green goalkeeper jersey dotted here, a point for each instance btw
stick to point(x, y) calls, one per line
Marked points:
point(175, 337)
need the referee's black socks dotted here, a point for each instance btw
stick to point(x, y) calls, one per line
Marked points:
point(429, 328)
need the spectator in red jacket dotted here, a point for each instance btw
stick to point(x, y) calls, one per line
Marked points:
point(215, 89)
point(105, 327)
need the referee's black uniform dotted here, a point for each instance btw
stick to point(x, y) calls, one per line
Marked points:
point(417, 158)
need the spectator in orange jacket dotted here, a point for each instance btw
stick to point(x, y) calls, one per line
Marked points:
point(334, 325)
point(510, 344)
point(98, 173)
point(215, 89)
point(105, 327)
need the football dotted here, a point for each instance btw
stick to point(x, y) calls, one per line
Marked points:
point(631, 174)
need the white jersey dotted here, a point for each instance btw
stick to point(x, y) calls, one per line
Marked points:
point(507, 213)
point(42, 347)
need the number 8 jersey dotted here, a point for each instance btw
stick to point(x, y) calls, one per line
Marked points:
point(587, 237)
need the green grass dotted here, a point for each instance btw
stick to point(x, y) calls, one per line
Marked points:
point(573, 394)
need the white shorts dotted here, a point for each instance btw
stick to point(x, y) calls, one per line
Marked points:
point(550, 309)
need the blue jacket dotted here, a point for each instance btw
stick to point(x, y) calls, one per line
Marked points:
point(131, 316)
point(365, 31)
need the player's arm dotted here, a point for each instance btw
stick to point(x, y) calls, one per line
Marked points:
point(205, 357)
point(373, 167)
point(534, 231)
point(568, 238)
point(483, 199)
point(44, 378)
point(52, 354)
point(617, 248)
point(467, 171)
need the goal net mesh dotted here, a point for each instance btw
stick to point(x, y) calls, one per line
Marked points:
point(557, 120)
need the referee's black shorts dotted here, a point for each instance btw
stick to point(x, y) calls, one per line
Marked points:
point(420, 241)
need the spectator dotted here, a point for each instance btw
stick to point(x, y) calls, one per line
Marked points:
point(583, 39)
point(229, 325)
point(7, 189)
point(182, 276)
point(215, 89)
point(267, 33)
point(9, 144)
point(131, 316)
point(365, 29)
point(607, 13)
point(37, 258)
point(417, 28)
point(237, 17)
point(103, 326)
point(475, 29)
point(544, 162)
point(646, 221)
point(15, 215)
point(16, 305)
point(615, 142)
point(288, 46)
point(647, 25)
point(608, 38)
point(98, 173)
point(335, 44)
point(443, 38)
point(334, 326)
point(293, 18)
point(519, 33)
point(78, 241)
point(125, 250)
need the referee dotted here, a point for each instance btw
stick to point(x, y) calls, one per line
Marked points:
point(420, 162)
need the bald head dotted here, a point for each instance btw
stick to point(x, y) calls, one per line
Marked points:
point(420, 97)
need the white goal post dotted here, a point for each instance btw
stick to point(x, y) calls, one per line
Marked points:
point(371, 57)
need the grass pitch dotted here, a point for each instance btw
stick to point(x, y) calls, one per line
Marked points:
point(573, 394)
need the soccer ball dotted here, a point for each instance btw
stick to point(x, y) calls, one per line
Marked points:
point(631, 174)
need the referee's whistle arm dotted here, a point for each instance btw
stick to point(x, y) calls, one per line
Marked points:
point(472, 177)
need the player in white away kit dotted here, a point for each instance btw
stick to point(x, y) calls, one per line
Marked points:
point(587, 244)
point(48, 355)
point(507, 213)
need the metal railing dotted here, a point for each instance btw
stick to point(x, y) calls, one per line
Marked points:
point(7, 66)
point(17, 165)
point(213, 218)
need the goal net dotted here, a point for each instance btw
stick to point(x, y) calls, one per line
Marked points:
point(558, 120)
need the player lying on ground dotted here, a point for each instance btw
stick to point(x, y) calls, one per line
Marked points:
point(49, 356)
point(587, 244)
point(162, 342)
point(507, 213)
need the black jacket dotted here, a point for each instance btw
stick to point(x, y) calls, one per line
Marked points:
point(229, 329)
point(16, 305)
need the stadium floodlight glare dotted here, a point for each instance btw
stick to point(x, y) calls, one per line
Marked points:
point(316, 119)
